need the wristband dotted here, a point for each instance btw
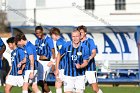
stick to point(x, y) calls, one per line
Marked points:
point(31, 71)
point(54, 63)
point(53, 60)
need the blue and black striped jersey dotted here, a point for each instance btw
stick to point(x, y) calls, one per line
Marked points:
point(1, 44)
point(30, 49)
point(74, 56)
point(91, 45)
point(44, 46)
point(17, 56)
point(59, 44)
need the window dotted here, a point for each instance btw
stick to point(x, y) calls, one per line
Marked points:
point(40, 3)
point(89, 4)
point(120, 5)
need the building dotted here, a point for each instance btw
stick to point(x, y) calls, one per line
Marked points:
point(73, 12)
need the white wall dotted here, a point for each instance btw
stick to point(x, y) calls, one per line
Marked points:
point(16, 16)
point(71, 12)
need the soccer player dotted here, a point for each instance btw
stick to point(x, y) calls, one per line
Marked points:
point(60, 42)
point(14, 77)
point(45, 51)
point(76, 59)
point(2, 49)
point(31, 63)
point(91, 74)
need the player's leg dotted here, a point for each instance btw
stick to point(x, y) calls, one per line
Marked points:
point(58, 86)
point(8, 88)
point(96, 88)
point(80, 84)
point(93, 81)
point(46, 73)
point(59, 81)
point(43, 71)
point(26, 82)
point(46, 88)
point(10, 81)
point(35, 88)
point(25, 87)
point(34, 83)
point(68, 84)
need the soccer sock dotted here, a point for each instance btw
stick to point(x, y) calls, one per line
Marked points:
point(38, 92)
point(100, 91)
point(50, 92)
point(24, 91)
point(59, 90)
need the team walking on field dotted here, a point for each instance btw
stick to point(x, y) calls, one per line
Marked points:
point(72, 62)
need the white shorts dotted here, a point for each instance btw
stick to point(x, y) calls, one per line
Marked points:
point(15, 80)
point(74, 83)
point(27, 77)
point(91, 77)
point(61, 75)
point(43, 70)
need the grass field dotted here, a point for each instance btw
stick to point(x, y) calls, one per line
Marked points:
point(89, 90)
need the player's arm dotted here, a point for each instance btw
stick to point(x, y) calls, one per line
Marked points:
point(93, 54)
point(22, 62)
point(31, 58)
point(51, 45)
point(93, 47)
point(57, 64)
point(85, 59)
point(21, 65)
point(83, 65)
point(9, 71)
point(52, 60)
point(2, 49)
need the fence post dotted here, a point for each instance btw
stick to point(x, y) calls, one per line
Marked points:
point(34, 16)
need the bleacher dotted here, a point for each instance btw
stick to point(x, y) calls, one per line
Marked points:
point(120, 72)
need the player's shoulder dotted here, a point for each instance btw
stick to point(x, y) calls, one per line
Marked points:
point(84, 46)
point(68, 43)
point(20, 49)
point(90, 39)
point(61, 40)
point(48, 38)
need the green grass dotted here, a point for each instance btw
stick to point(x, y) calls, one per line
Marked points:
point(89, 90)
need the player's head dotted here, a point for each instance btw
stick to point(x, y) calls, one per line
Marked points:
point(83, 31)
point(39, 31)
point(20, 39)
point(55, 33)
point(11, 43)
point(75, 36)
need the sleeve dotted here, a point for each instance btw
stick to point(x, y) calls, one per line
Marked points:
point(1, 42)
point(36, 46)
point(63, 49)
point(92, 44)
point(30, 51)
point(22, 54)
point(59, 45)
point(35, 42)
point(86, 53)
point(50, 42)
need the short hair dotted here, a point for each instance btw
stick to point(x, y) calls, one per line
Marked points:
point(39, 28)
point(75, 31)
point(55, 31)
point(82, 27)
point(20, 37)
point(11, 40)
